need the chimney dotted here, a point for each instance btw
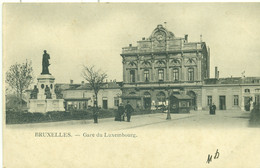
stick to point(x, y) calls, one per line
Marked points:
point(82, 83)
point(71, 81)
point(216, 72)
point(143, 38)
point(186, 38)
point(201, 38)
point(130, 45)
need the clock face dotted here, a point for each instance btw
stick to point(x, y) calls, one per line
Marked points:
point(159, 42)
point(160, 36)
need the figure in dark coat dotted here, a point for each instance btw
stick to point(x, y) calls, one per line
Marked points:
point(120, 113)
point(213, 109)
point(95, 112)
point(129, 109)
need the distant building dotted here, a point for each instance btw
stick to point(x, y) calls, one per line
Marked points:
point(230, 93)
point(81, 96)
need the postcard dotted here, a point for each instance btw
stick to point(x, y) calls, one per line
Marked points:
point(131, 85)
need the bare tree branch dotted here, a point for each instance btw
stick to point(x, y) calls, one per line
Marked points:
point(19, 77)
point(94, 77)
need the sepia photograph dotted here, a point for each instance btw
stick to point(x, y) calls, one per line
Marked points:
point(122, 85)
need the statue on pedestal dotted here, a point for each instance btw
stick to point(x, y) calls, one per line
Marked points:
point(58, 93)
point(47, 92)
point(45, 63)
point(34, 92)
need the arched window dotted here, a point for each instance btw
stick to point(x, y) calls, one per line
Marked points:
point(247, 90)
point(161, 97)
point(146, 75)
point(190, 74)
point(161, 74)
point(132, 76)
point(175, 75)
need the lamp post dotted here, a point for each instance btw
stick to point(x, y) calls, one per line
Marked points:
point(169, 104)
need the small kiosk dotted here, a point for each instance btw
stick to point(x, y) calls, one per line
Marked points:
point(180, 103)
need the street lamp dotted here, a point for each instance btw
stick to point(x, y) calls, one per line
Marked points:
point(169, 104)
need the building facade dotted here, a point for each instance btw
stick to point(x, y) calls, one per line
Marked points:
point(162, 65)
point(230, 93)
point(81, 96)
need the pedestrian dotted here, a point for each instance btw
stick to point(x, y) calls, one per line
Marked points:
point(95, 113)
point(210, 109)
point(213, 109)
point(251, 104)
point(120, 112)
point(129, 109)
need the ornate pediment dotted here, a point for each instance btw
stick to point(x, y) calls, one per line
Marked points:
point(146, 63)
point(132, 64)
point(160, 63)
point(190, 61)
point(161, 33)
point(176, 62)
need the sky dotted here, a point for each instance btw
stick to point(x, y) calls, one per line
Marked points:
point(94, 34)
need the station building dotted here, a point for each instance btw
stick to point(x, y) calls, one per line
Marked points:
point(163, 66)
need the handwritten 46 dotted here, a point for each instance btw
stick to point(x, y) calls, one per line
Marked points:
point(210, 157)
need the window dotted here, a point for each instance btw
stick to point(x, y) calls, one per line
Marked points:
point(146, 75)
point(209, 100)
point(132, 76)
point(247, 90)
point(235, 100)
point(160, 74)
point(175, 75)
point(116, 101)
point(190, 74)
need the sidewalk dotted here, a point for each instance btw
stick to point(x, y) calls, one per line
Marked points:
point(193, 119)
point(107, 123)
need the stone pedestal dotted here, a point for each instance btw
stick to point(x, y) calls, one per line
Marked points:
point(41, 104)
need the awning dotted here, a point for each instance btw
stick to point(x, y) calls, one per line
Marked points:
point(77, 99)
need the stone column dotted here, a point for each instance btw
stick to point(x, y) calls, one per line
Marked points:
point(138, 71)
point(199, 67)
point(183, 70)
point(124, 70)
point(167, 68)
point(153, 74)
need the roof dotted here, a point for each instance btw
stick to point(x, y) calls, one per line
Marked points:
point(233, 80)
point(182, 96)
point(77, 99)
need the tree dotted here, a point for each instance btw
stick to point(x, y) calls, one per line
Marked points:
point(19, 77)
point(95, 78)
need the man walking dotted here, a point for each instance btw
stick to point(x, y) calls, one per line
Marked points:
point(213, 109)
point(129, 109)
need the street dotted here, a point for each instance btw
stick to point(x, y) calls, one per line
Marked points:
point(148, 141)
point(201, 119)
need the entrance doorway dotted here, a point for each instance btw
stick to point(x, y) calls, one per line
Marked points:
point(247, 103)
point(147, 103)
point(193, 100)
point(147, 100)
point(222, 102)
point(104, 103)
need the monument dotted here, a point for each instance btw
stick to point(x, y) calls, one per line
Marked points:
point(43, 97)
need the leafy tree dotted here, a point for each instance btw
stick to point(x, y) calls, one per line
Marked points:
point(95, 78)
point(19, 77)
